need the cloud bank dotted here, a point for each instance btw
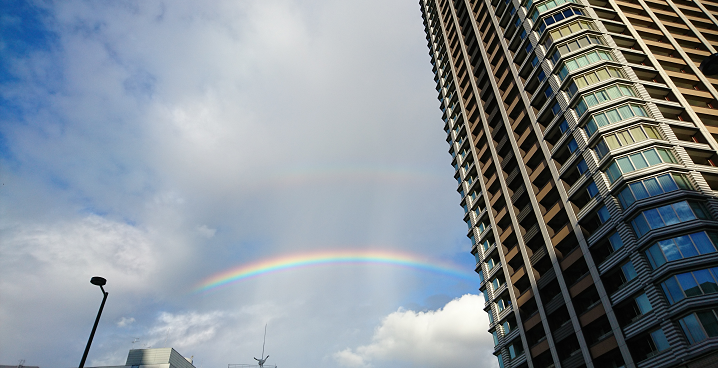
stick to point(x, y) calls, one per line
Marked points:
point(454, 335)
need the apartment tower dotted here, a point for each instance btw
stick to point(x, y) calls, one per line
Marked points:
point(583, 135)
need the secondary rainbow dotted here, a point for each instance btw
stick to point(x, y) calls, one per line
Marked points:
point(290, 262)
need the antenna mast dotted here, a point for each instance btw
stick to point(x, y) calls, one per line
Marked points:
point(265, 339)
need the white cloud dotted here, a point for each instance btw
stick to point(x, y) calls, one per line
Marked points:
point(206, 231)
point(187, 329)
point(125, 321)
point(348, 358)
point(454, 335)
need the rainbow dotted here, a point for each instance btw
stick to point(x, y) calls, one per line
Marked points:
point(290, 262)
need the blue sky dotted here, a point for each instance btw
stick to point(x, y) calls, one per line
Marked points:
point(158, 143)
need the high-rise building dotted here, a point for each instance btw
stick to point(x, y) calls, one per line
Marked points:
point(583, 135)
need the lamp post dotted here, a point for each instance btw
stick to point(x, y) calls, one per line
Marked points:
point(99, 281)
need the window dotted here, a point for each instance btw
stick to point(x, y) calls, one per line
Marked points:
point(491, 317)
point(601, 96)
point(628, 271)
point(652, 187)
point(572, 145)
point(618, 278)
point(541, 76)
point(496, 284)
point(486, 295)
point(644, 306)
point(659, 340)
point(681, 247)
point(563, 126)
point(593, 77)
point(592, 189)
point(557, 17)
point(477, 256)
point(534, 61)
point(603, 215)
point(486, 245)
point(581, 61)
point(624, 138)
point(501, 361)
point(515, 349)
point(496, 337)
point(481, 227)
point(548, 91)
point(637, 161)
point(674, 213)
point(567, 30)
point(547, 5)
point(574, 45)
point(490, 263)
point(506, 327)
point(700, 326)
point(615, 241)
point(690, 284)
point(556, 108)
point(582, 167)
point(614, 115)
point(503, 303)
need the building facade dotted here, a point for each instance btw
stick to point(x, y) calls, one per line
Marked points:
point(155, 358)
point(583, 135)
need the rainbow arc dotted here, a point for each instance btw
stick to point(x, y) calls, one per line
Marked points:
point(326, 258)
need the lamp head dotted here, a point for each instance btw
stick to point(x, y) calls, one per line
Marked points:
point(99, 281)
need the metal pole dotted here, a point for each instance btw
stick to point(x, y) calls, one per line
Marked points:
point(94, 328)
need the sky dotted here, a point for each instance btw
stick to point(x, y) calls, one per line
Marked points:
point(164, 144)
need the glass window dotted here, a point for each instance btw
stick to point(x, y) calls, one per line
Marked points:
point(684, 211)
point(659, 338)
point(628, 271)
point(685, 246)
point(634, 162)
point(663, 216)
point(643, 304)
point(563, 127)
point(603, 214)
point(672, 290)
point(648, 188)
point(703, 243)
point(592, 190)
point(616, 242)
point(688, 284)
point(582, 167)
point(705, 281)
point(572, 145)
point(709, 322)
point(496, 338)
point(692, 328)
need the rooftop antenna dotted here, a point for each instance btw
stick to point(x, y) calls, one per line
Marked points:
point(136, 339)
point(261, 361)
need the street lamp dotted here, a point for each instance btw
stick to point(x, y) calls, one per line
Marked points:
point(99, 281)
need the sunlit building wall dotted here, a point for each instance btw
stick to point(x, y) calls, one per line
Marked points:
point(583, 138)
